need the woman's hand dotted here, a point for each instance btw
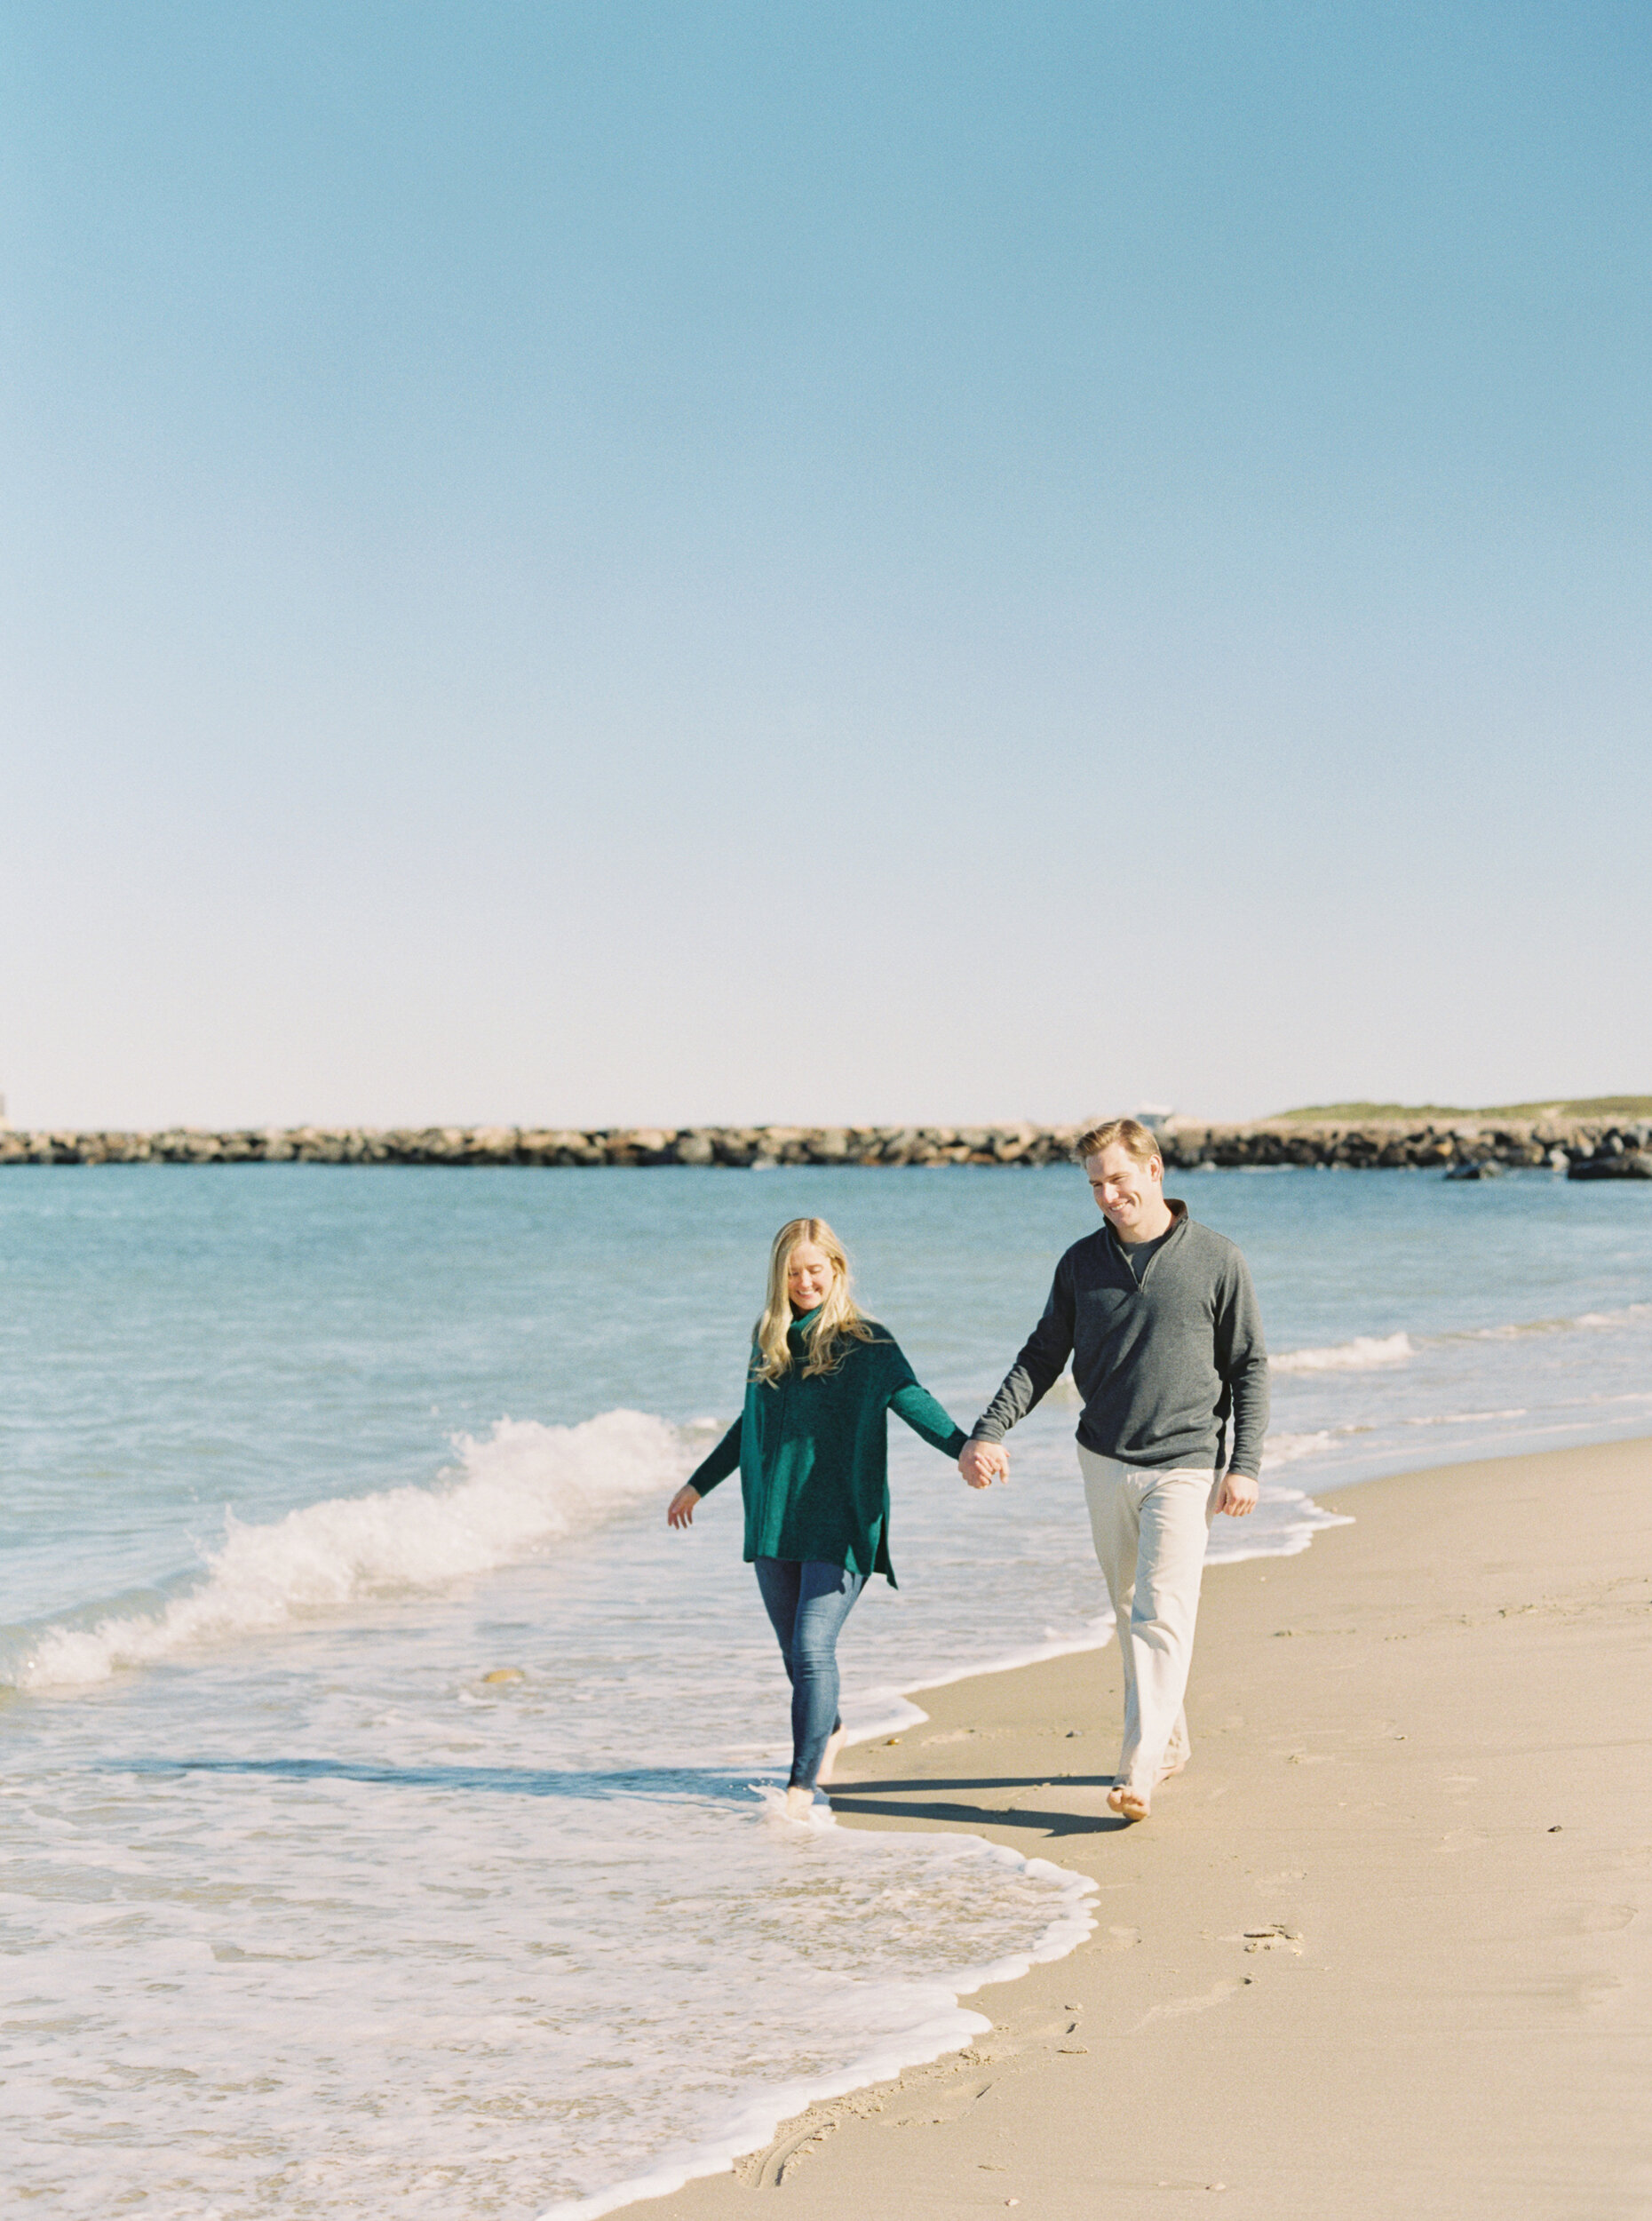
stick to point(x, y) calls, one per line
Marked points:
point(983, 1463)
point(679, 1511)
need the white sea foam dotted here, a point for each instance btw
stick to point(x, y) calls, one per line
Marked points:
point(523, 1486)
point(390, 1963)
point(937, 2023)
point(1279, 1450)
point(1464, 1419)
point(1366, 1353)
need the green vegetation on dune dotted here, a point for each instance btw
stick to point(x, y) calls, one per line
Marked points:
point(1387, 1113)
point(1356, 1113)
point(1585, 1107)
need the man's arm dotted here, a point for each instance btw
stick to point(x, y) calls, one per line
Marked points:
point(1241, 1360)
point(1038, 1369)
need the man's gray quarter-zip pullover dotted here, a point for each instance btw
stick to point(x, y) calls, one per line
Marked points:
point(1160, 1368)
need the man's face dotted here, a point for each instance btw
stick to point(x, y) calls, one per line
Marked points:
point(1126, 1193)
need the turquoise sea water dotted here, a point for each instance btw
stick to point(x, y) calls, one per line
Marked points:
point(305, 1915)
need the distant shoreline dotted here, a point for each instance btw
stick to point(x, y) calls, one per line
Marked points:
point(1465, 1147)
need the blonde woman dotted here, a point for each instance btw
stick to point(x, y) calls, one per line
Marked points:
point(812, 1446)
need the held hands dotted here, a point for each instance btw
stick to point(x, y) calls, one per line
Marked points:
point(679, 1511)
point(983, 1463)
point(1237, 1494)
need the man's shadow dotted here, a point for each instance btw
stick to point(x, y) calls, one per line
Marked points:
point(892, 1799)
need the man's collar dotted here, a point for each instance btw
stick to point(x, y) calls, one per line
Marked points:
point(1177, 1210)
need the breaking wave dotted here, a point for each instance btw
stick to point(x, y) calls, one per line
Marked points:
point(1364, 1354)
point(1370, 1353)
point(524, 1486)
point(1612, 1322)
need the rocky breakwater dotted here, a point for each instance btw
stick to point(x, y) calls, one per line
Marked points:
point(1585, 1149)
point(746, 1147)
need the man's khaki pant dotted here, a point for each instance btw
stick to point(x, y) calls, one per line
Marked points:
point(1150, 1528)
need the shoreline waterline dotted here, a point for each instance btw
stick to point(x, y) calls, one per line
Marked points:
point(1396, 1811)
point(764, 2115)
point(952, 2026)
point(766, 2120)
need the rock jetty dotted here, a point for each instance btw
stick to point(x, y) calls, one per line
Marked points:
point(1586, 1148)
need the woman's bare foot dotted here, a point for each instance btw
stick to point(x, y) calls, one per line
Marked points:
point(1129, 1804)
point(800, 1802)
point(834, 1744)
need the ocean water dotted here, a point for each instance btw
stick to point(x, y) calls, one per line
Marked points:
point(304, 1914)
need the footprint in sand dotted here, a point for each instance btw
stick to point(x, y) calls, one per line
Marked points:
point(1274, 1938)
point(1176, 2006)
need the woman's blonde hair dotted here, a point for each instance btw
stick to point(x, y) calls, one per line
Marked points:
point(838, 1323)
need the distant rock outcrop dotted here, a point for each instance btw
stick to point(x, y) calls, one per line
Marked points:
point(1612, 1162)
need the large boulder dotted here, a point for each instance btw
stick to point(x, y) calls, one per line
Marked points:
point(1633, 1164)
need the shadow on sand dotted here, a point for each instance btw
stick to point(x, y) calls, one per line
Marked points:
point(918, 1800)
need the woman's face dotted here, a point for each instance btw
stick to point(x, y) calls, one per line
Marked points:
point(809, 1276)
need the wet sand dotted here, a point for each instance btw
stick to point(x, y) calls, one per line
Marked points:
point(1383, 1949)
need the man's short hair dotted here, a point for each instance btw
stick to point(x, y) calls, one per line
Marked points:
point(1142, 1144)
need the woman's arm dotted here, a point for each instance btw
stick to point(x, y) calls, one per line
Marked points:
point(926, 1417)
point(705, 1477)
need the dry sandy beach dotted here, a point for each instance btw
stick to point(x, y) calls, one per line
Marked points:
point(1382, 1950)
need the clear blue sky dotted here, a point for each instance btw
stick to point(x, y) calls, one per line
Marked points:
point(671, 562)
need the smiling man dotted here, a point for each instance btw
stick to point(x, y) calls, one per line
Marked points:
point(1160, 1320)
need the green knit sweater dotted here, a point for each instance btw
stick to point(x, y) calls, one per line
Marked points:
point(813, 1455)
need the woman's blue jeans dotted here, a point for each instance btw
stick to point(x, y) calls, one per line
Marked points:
point(806, 1604)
